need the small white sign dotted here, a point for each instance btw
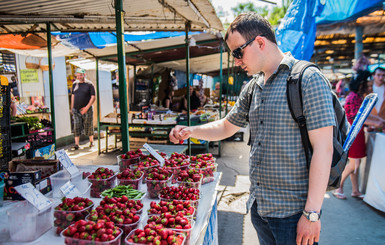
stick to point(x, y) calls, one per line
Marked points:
point(69, 190)
point(32, 195)
point(66, 162)
point(154, 153)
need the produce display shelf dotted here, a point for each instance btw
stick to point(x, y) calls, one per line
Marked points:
point(204, 221)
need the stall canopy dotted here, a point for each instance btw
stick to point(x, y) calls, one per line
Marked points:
point(171, 53)
point(297, 31)
point(90, 15)
point(86, 40)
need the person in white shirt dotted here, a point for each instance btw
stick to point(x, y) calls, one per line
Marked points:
point(378, 112)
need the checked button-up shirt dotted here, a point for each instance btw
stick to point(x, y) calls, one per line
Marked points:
point(278, 173)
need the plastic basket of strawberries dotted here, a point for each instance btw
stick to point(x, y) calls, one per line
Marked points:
point(190, 178)
point(69, 211)
point(177, 223)
point(130, 157)
point(130, 177)
point(145, 166)
point(154, 234)
point(123, 212)
point(102, 179)
point(181, 193)
point(175, 207)
point(157, 178)
point(208, 157)
point(176, 163)
point(207, 169)
point(92, 233)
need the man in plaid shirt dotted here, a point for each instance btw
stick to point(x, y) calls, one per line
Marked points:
point(285, 197)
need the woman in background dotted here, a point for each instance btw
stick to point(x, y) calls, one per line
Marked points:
point(358, 89)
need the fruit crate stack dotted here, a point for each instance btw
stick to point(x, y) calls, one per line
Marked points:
point(5, 130)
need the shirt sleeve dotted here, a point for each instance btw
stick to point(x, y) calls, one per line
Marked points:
point(317, 100)
point(239, 114)
point(92, 89)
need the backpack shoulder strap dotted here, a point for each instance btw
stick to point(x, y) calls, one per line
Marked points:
point(294, 100)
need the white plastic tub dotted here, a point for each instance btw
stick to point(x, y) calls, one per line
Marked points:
point(26, 223)
point(60, 178)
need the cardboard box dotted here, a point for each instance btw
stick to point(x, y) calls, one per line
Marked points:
point(46, 152)
point(34, 171)
point(47, 167)
point(14, 179)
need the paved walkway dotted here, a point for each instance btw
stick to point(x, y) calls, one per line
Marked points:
point(349, 221)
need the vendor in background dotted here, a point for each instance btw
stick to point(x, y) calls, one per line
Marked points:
point(83, 96)
point(14, 87)
point(167, 101)
point(215, 94)
point(13, 105)
point(195, 102)
point(378, 112)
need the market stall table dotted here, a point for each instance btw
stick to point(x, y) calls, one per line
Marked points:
point(375, 189)
point(204, 230)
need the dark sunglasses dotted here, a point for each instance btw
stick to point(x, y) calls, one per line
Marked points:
point(237, 53)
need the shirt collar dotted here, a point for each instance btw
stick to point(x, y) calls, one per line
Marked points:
point(287, 61)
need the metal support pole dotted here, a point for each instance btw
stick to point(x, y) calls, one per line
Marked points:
point(187, 40)
point(228, 76)
point(119, 14)
point(50, 77)
point(98, 102)
point(359, 45)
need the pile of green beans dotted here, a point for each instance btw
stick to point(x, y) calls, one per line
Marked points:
point(126, 190)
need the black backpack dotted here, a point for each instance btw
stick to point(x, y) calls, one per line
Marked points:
point(340, 131)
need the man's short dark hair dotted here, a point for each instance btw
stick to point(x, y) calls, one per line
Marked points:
point(250, 25)
point(378, 68)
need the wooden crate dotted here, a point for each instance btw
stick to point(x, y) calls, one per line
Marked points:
point(157, 141)
point(137, 143)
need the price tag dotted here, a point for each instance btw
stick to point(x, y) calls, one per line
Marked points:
point(32, 195)
point(154, 153)
point(66, 162)
point(69, 190)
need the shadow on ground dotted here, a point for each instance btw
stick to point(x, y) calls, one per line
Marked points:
point(233, 236)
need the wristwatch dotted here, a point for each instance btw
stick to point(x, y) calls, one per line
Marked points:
point(312, 216)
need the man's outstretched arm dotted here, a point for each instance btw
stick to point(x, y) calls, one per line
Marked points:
point(213, 131)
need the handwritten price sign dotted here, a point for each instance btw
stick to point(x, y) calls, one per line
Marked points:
point(66, 162)
point(32, 195)
point(154, 153)
point(69, 190)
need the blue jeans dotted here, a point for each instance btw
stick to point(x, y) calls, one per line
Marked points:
point(279, 231)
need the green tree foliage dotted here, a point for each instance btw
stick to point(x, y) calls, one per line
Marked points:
point(246, 7)
point(274, 15)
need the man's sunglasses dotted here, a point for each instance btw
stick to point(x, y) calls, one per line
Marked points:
point(237, 53)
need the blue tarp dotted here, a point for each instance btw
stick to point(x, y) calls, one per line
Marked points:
point(296, 33)
point(346, 10)
point(86, 40)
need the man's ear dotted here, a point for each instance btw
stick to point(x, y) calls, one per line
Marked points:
point(260, 41)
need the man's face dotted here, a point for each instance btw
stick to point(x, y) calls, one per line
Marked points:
point(80, 76)
point(249, 61)
point(379, 77)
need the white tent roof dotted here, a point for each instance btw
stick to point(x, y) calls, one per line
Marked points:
point(99, 15)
